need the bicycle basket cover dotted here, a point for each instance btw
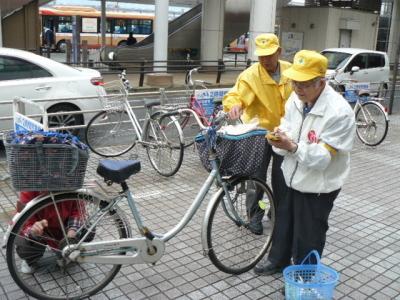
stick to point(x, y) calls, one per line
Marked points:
point(238, 154)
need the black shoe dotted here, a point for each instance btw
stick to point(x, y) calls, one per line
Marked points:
point(256, 227)
point(267, 268)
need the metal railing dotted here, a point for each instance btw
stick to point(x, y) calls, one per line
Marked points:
point(136, 101)
point(143, 67)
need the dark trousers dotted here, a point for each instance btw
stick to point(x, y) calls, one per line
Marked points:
point(29, 250)
point(277, 181)
point(301, 226)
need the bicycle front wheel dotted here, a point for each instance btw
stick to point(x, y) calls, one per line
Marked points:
point(36, 261)
point(110, 133)
point(231, 246)
point(163, 140)
point(371, 124)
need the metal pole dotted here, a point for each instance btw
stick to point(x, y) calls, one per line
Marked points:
point(76, 39)
point(103, 23)
point(394, 78)
point(1, 32)
point(161, 36)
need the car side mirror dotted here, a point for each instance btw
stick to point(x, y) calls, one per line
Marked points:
point(354, 69)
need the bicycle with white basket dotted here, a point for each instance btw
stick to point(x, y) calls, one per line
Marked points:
point(82, 266)
point(116, 130)
point(372, 121)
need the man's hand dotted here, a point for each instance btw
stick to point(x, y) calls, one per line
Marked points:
point(235, 112)
point(282, 141)
point(38, 227)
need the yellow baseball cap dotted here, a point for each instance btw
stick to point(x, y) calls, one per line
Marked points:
point(266, 44)
point(307, 65)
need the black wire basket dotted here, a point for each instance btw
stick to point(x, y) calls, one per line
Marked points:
point(45, 167)
point(238, 154)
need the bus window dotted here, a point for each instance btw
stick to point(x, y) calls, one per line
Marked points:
point(120, 26)
point(140, 26)
point(64, 24)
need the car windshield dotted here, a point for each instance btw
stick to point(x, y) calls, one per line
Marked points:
point(336, 59)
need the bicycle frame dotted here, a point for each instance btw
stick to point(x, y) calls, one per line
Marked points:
point(139, 246)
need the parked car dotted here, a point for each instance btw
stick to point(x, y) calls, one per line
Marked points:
point(32, 76)
point(358, 64)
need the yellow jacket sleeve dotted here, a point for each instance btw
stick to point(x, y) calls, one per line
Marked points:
point(259, 95)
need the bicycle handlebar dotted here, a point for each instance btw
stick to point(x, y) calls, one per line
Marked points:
point(214, 122)
point(188, 78)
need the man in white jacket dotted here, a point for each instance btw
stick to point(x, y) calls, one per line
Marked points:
point(315, 137)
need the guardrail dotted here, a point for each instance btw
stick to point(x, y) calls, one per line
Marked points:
point(143, 67)
point(135, 99)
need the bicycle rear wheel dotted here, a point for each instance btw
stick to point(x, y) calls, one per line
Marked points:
point(37, 264)
point(163, 140)
point(231, 246)
point(110, 133)
point(371, 124)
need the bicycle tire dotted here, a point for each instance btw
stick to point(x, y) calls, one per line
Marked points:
point(54, 277)
point(371, 124)
point(110, 133)
point(231, 246)
point(163, 140)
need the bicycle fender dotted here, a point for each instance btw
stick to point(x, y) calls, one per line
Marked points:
point(381, 107)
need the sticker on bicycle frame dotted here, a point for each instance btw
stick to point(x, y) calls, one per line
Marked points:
point(208, 97)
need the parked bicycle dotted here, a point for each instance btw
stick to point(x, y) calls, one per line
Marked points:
point(82, 266)
point(205, 102)
point(115, 130)
point(372, 122)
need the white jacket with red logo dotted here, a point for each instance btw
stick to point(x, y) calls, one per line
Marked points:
point(315, 167)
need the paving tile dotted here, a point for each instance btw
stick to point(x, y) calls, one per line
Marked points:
point(363, 240)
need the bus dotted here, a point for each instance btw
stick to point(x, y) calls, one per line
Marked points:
point(118, 27)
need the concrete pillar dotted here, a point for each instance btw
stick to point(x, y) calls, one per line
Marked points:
point(161, 35)
point(212, 31)
point(394, 31)
point(103, 23)
point(1, 32)
point(262, 20)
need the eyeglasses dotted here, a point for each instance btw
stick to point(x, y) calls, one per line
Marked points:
point(305, 84)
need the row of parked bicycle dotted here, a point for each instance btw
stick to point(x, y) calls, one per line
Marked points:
point(170, 124)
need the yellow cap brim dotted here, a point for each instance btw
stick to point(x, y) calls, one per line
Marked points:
point(295, 75)
point(266, 52)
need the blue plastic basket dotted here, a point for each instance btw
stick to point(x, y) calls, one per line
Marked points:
point(310, 281)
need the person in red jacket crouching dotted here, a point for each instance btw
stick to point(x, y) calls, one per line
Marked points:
point(43, 230)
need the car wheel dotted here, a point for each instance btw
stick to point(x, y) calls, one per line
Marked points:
point(62, 46)
point(67, 119)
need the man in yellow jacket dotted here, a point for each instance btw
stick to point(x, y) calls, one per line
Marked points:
point(261, 92)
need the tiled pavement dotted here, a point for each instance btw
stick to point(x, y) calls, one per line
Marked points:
point(363, 240)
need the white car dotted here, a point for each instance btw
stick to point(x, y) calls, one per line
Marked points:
point(32, 76)
point(356, 64)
